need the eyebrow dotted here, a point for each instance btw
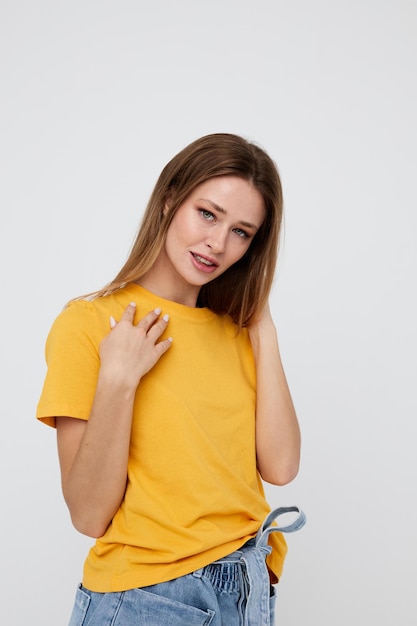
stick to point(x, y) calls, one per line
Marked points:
point(222, 210)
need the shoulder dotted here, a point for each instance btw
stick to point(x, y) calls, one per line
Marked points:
point(79, 323)
point(90, 317)
point(78, 314)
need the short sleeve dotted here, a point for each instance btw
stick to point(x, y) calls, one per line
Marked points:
point(73, 361)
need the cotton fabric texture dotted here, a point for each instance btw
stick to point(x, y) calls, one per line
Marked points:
point(193, 491)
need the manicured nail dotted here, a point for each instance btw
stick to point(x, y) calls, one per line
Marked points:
point(112, 321)
point(132, 303)
point(157, 311)
point(165, 317)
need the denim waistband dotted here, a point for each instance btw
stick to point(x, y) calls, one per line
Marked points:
point(245, 570)
point(224, 577)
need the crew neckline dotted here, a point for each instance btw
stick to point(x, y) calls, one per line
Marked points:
point(168, 306)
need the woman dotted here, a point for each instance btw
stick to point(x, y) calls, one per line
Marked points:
point(153, 385)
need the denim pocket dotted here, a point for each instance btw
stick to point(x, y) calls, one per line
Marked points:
point(149, 609)
point(81, 604)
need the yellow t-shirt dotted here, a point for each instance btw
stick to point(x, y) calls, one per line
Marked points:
point(193, 492)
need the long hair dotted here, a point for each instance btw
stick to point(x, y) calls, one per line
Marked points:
point(243, 289)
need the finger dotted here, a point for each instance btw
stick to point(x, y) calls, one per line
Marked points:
point(129, 313)
point(149, 320)
point(156, 330)
point(163, 346)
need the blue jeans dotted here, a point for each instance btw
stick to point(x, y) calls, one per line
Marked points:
point(233, 591)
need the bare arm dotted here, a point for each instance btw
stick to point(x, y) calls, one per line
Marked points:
point(93, 455)
point(277, 430)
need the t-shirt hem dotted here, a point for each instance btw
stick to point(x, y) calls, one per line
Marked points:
point(153, 574)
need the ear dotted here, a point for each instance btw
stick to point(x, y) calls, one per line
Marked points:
point(168, 203)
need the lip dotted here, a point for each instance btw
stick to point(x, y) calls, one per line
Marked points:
point(201, 266)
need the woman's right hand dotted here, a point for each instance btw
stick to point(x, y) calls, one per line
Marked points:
point(130, 350)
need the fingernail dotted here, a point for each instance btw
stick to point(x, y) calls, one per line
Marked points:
point(157, 311)
point(133, 304)
point(112, 321)
point(165, 317)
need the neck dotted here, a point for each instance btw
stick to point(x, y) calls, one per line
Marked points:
point(175, 293)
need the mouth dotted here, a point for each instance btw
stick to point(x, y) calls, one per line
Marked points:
point(203, 263)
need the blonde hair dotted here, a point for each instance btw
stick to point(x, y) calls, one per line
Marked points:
point(243, 289)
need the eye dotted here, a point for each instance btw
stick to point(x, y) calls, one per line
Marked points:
point(241, 233)
point(207, 215)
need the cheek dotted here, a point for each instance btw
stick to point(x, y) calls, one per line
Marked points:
point(238, 251)
point(181, 230)
point(174, 236)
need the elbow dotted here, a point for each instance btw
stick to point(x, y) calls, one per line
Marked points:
point(88, 519)
point(90, 528)
point(89, 523)
point(90, 516)
point(279, 475)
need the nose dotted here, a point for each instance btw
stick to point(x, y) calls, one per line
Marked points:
point(217, 241)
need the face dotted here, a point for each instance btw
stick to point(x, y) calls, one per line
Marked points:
point(211, 231)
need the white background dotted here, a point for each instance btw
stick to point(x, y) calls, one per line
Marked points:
point(96, 97)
